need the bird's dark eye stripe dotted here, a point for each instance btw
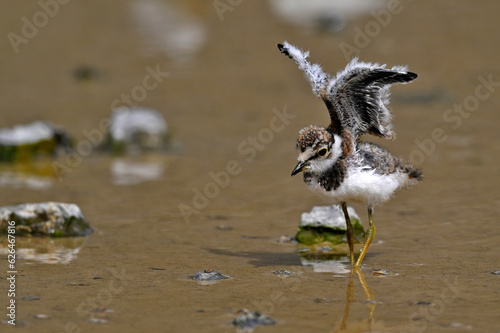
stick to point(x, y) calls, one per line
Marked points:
point(311, 158)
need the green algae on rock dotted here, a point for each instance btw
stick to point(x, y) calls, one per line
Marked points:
point(24, 142)
point(45, 219)
point(324, 226)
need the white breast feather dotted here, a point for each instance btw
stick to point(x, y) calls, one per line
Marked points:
point(365, 186)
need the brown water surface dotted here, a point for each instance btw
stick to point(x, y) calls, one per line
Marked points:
point(440, 241)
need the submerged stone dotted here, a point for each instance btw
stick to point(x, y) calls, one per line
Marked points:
point(282, 272)
point(250, 319)
point(136, 130)
point(209, 275)
point(45, 219)
point(325, 227)
point(24, 142)
point(381, 272)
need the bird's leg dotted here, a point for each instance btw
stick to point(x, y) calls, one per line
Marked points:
point(370, 233)
point(349, 233)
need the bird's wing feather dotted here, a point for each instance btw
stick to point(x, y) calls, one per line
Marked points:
point(313, 72)
point(356, 97)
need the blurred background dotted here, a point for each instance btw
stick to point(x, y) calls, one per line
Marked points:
point(212, 70)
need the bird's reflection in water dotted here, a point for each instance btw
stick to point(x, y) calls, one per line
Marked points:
point(370, 301)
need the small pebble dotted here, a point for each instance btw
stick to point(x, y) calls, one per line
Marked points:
point(497, 272)
point(285, 239)
point(323, 300)
point(30, 298)
point(98, 320)
point(381, 272)
point(282, 272)
point(250, 319)
point(209, 276)
point(422, 303)
point(41, 316)
point(224, 227)
point(79, 284)
point(460, 325)
point(86, 73)
point(103, 310)
point(218, 217)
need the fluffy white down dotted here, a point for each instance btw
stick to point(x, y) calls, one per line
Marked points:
point(365, 186)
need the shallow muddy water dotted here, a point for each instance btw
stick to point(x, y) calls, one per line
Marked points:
point(234, 106)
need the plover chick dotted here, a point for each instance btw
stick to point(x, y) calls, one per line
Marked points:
point(334, 160)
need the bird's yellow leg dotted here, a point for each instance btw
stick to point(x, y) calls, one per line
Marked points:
point(349, 234)
point(369, 235)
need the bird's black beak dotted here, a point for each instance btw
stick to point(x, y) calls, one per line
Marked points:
point(301, 166)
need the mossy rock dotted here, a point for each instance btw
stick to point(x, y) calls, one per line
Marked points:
point(319, 235)
point(22, 143)
point(325, 227)
point(45, 219)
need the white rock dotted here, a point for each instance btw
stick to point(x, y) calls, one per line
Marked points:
point(312, 13)
point(46, 218)
point(168, 29)
point(328, 216)
point(125, 122)
point(24, 134)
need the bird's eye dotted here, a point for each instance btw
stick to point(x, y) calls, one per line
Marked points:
point(322, 152)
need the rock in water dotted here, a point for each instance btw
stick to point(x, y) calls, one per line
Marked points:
point(325, 226)
point(209, 276)
point(328, 216)
point(331, 16)
point(248, 320)
point(23, 142)
point(134, 130)
point(45, 219)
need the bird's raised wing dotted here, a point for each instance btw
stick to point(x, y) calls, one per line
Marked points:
point(356, 97)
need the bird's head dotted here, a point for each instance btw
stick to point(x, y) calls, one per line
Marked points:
point(318, 150)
